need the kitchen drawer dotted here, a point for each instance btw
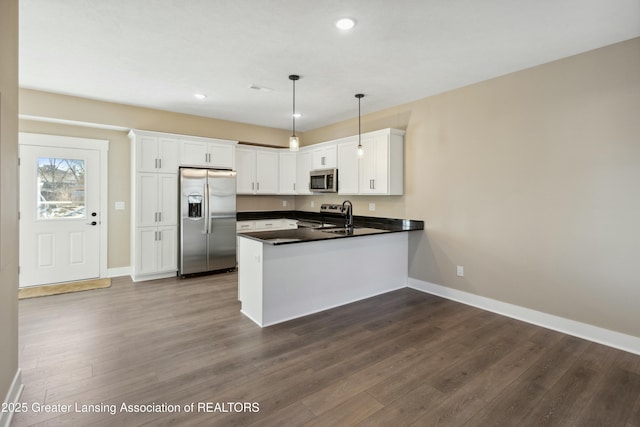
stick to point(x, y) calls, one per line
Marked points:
point(268, 224)
point(289, 223)
point(245, 226)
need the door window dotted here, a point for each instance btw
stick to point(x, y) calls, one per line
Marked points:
point(61, 188)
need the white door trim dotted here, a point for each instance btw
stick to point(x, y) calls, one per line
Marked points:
point(101, 145)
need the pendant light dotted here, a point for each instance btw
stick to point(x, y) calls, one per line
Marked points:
point(360, 147)
point(294, 141)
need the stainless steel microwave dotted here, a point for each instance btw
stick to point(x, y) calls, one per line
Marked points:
point(323, 181)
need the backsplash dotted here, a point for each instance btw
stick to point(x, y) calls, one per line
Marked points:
point(265, 203)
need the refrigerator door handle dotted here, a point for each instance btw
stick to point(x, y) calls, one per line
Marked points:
point(207, 197)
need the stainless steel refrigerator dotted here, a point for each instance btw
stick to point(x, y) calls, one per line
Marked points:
point(207, 220)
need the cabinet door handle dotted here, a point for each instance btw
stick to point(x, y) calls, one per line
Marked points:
point(257, 186)
point(370, 184)
point(253, 186)
point(159, 216)
point(323, 160)
point(294, 186)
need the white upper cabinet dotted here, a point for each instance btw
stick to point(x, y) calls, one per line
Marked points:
point(348, 166)
point(381, 169)
point(324, 156)
point(257, 170)
point(245, 170)
point(157, 198)
point(287, 172)
point(206, 152)
point(155, 153)
point(266, 171)
point(382, 166)
point(278, 171)
point(303, 167)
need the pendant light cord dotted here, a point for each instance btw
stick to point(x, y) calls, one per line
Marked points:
point(359, 125)
point(359, 96)
point(293, 78)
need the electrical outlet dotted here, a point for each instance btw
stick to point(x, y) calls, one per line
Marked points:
point(460, 271)
point(313, 203)
point(372, 207)
point(284, 203)
point(119, 206)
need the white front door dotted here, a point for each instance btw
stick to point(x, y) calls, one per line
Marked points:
point(59, 214)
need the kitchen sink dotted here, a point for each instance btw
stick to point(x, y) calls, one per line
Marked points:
point(338, 230)
point(283, 240)
point(353, 231)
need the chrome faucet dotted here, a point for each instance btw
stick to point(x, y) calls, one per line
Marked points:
point(347, 211)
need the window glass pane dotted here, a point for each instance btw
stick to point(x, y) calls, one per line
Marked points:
point(60, 188)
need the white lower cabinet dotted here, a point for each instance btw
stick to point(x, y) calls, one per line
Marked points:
point(157, 251)
point(266, 224)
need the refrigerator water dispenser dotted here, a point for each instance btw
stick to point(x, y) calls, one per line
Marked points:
point(195, 205)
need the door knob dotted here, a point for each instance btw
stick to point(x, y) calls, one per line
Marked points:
point(92, 223)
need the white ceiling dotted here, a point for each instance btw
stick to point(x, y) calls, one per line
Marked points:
point(158, 53)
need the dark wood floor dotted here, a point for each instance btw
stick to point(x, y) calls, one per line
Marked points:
point(403, 358)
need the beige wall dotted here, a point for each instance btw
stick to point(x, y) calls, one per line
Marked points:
point(531, 182)
point(45, 113)
point(8, 194)
point(61, 107)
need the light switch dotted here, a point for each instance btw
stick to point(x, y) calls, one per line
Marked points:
point(119, 206)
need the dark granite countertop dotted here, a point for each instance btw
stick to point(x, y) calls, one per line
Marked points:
point(363, 226)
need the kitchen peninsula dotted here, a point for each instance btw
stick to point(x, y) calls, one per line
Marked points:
point(289, 273)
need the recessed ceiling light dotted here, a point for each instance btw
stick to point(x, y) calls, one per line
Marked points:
point(297, 115)
point(345, 24)
point(200, 96)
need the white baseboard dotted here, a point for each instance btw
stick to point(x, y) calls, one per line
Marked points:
point(119, 271)
point(596, 334)
point(13, 396)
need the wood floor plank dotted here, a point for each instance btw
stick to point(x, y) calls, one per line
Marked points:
point(613, 402)
point(337, 392)
point(566, 400)
point(402, 358)
point(525, 393)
